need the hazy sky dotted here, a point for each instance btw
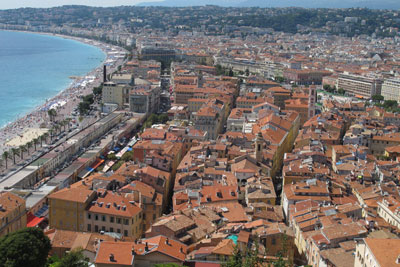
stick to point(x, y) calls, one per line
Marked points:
point(7, 4)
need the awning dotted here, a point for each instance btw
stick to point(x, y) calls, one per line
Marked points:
point(42, 211)
point(33, 221)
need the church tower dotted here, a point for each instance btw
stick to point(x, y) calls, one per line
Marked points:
point(258, 147)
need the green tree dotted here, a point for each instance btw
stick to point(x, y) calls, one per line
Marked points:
point(74, 258)
point(5, 156)
point(377, 98)
point(83, 107)
point(52, 114)
point(230, 73)
point(22, 149)
point(341, 91)
point(128, 156)
point(328, 88)
point(219, 70)
point(29, 145)
point(111, 156)
point(14, 152)
point(248, 258)
point(117, 165)
point(390, 104)
point(279, 79)
point(97, 91)
point(25, 247)
point(163, 118)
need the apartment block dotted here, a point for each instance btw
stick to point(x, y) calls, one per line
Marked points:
point(67, 208)
point(112, 212)
point(391, 89)
point(12, 213)
point(360, 85)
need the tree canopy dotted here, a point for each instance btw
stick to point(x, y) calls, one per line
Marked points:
point(377, 98)
point(25, 247)
point(74, 258)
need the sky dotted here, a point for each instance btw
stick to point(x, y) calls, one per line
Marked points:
point(6, 4)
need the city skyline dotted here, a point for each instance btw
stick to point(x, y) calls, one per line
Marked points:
point(51, 3)
point(385, 4)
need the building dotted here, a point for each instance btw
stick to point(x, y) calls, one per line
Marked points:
point(389, 210)
point(159, 250)
point(67, 208)
point(12, 213)
point(305, 77)
point(279, 95)
point(112, 212)
point(210, 118)
point(379, 143)
point(123, 78)
point(115, 254)
point(260, 191)
point(374, 252)
point(144, 99)
point(391, 89)
point(115, 94)
point(149, 200)
point(64, 241)
point(357, 85)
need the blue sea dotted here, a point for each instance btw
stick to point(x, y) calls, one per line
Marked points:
point(36, 67)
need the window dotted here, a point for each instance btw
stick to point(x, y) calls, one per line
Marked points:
point(89, 216)
point(111, 219)
point(126, 221)
point(96, 217)
point(273, 241)
point(111, 229)
point(103, 228)
point(89, 227)
point(154, 217)
point(103, 218)
point(96, 228)
point(118, 231)
point(119, 220)
point(125, 232)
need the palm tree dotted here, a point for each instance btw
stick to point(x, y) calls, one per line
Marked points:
point(52, 114)
point(5, 156)
point(14, 152)
point(64, 123)
point(68, 120)
point(56, 128)
point(22, 149)
point(36, 141)
point(43, 138)
point(29, 145)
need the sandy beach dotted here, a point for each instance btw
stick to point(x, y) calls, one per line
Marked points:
point(29, 126)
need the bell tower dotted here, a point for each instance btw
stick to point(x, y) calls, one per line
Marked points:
point(258, 147)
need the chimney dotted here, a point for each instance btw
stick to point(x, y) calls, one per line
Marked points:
point(112, 257)
point(105, 74)
point(146, 248)
point(167, 241)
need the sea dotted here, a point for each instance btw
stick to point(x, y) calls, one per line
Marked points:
point(36, 67)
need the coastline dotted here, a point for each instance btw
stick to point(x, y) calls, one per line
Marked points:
point(66, 99)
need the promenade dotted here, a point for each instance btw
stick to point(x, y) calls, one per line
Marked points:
point(37, 122)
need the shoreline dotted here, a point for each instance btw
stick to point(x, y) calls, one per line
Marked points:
point(66, 99)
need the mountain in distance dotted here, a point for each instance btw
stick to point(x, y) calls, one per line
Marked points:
point(372, 4)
